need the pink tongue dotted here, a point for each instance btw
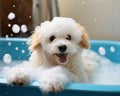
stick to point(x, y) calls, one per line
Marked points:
point(62, 57)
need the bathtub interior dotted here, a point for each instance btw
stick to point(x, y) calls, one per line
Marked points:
point(17, 50)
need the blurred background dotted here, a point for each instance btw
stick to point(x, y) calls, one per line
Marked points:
point(100, 17)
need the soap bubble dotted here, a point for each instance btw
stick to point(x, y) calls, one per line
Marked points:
point(102, 51)
point(9, 43)
point(11, 16)
point(16, 28)
point(112, 49)
point(7, 58)
point(24, 28)
point(9, 25)
point(23, 51)
point(16, 48)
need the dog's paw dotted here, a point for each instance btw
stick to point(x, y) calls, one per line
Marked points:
point(18, 80)
point(47, 86)
point(54, 79)
point(16, 76)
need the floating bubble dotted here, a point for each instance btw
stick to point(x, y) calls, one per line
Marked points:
point(102, 51)
point(24, 28)
point(112, 49)
point(11, 34)
point(9, 25)
point(23, 51)
point(7, 58)
point(9, 44)
point(16, 28)
point(13, 5)
point(16, 48)
point(30, 16)
point(11, 16)
point(7, 36)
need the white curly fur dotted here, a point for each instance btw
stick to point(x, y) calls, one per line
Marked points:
point(52, 66)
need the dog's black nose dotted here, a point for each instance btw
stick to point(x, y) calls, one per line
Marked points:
point(62, 48)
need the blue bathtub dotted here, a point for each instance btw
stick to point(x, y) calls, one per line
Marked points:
point(18, 49)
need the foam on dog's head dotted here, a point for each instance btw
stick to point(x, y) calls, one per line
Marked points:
point(60, 26)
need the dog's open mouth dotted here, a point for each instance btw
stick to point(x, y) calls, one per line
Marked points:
point(62, 57)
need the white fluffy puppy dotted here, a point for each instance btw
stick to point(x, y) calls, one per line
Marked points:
point(56, 48)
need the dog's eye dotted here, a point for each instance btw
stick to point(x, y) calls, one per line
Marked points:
point(68, 37)
point(52, 38)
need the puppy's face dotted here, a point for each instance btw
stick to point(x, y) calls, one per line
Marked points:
point(60, 39)
point(60, 46)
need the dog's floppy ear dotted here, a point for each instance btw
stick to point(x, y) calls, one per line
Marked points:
point(84, 43)
point(35, 40)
